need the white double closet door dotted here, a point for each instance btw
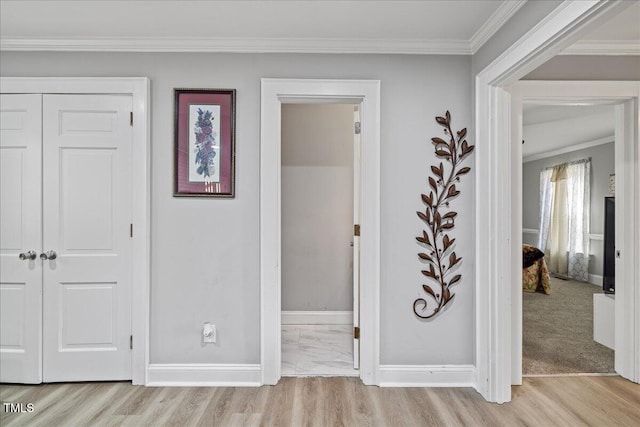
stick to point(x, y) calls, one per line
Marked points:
point(65, 188)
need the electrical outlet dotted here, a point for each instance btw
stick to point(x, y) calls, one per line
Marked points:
point(209, 332)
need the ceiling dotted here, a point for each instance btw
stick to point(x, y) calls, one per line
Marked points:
point(550, 128)
point(397, 26)
point(346, 26)
point(533, 114)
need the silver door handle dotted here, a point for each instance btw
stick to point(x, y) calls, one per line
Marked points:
point(48, 255)
point(28, 255)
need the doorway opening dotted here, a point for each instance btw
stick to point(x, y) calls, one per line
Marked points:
point(622, 309)
point(568, 165)
point(319, 205)
point(499, 169)
point(276, 93)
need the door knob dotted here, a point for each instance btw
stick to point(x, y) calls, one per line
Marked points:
point(48, 255)
point(28, 255)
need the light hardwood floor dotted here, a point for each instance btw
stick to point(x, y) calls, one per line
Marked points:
point(548, 401)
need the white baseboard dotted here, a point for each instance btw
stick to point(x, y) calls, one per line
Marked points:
point(595, 279)
point(203, 374)
point(427, 375)
point(317, 317)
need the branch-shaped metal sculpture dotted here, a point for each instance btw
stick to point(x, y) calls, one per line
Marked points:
point(440, 255)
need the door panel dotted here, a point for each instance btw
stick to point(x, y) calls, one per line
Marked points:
point(87, 212)
point(20, 231)
point(90, 311)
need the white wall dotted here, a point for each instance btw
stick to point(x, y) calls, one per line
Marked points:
point(575, 130)
point(205, 252)
point(317, 207)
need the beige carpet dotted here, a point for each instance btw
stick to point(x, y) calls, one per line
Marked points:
point(557, 331)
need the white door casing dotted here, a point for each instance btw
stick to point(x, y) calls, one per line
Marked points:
point(356, 237)
point(275, 92)
point(494, 243)
point(86, 219)
point(627, 238)
point(20, 231)
point(139, 89)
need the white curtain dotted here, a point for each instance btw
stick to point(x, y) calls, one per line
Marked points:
point(578, 201)
point(558, 239)
point(564, 218)
point(546, 206)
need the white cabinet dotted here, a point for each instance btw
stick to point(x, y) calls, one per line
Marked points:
point(604, 319)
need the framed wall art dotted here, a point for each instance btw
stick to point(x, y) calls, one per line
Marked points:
point(204, 142)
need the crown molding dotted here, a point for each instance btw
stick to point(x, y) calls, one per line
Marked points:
point(239, 45)
point(604, 47)
point(502, 14)
point(269, 45)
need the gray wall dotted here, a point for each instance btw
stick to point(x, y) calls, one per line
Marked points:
point(317, 206)
point(602, 165)
point(205, 253)
point(518, 25)
point(578, 67)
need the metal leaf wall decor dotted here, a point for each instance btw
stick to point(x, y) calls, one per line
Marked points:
point(439, 256)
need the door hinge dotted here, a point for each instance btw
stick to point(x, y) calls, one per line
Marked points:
point(130, 230)
point(356, 230)
point(130, 342)
point(357, 128)
point(356, 332)
point(131, 118)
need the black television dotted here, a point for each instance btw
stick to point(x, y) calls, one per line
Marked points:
point(609, 274)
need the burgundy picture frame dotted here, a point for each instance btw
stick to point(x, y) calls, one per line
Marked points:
point(218, 108)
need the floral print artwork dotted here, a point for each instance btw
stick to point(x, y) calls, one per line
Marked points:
point(204, 144)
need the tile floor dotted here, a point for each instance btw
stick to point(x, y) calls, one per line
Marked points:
point(317, 351)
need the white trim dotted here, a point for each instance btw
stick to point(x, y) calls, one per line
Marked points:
point(203, 375)
point(427, 375)
point(627, 237)
point(238, 45)
point(530, 231)
point(595, 279)
point(596, 236)
point(569, 149)
point(317, 317)
point(549, 37)
point(271, 45)
point(491, 26)
point(604, 47)
point(499, 229)
point(139, 89)
point(574, 374)
point(273, 93)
